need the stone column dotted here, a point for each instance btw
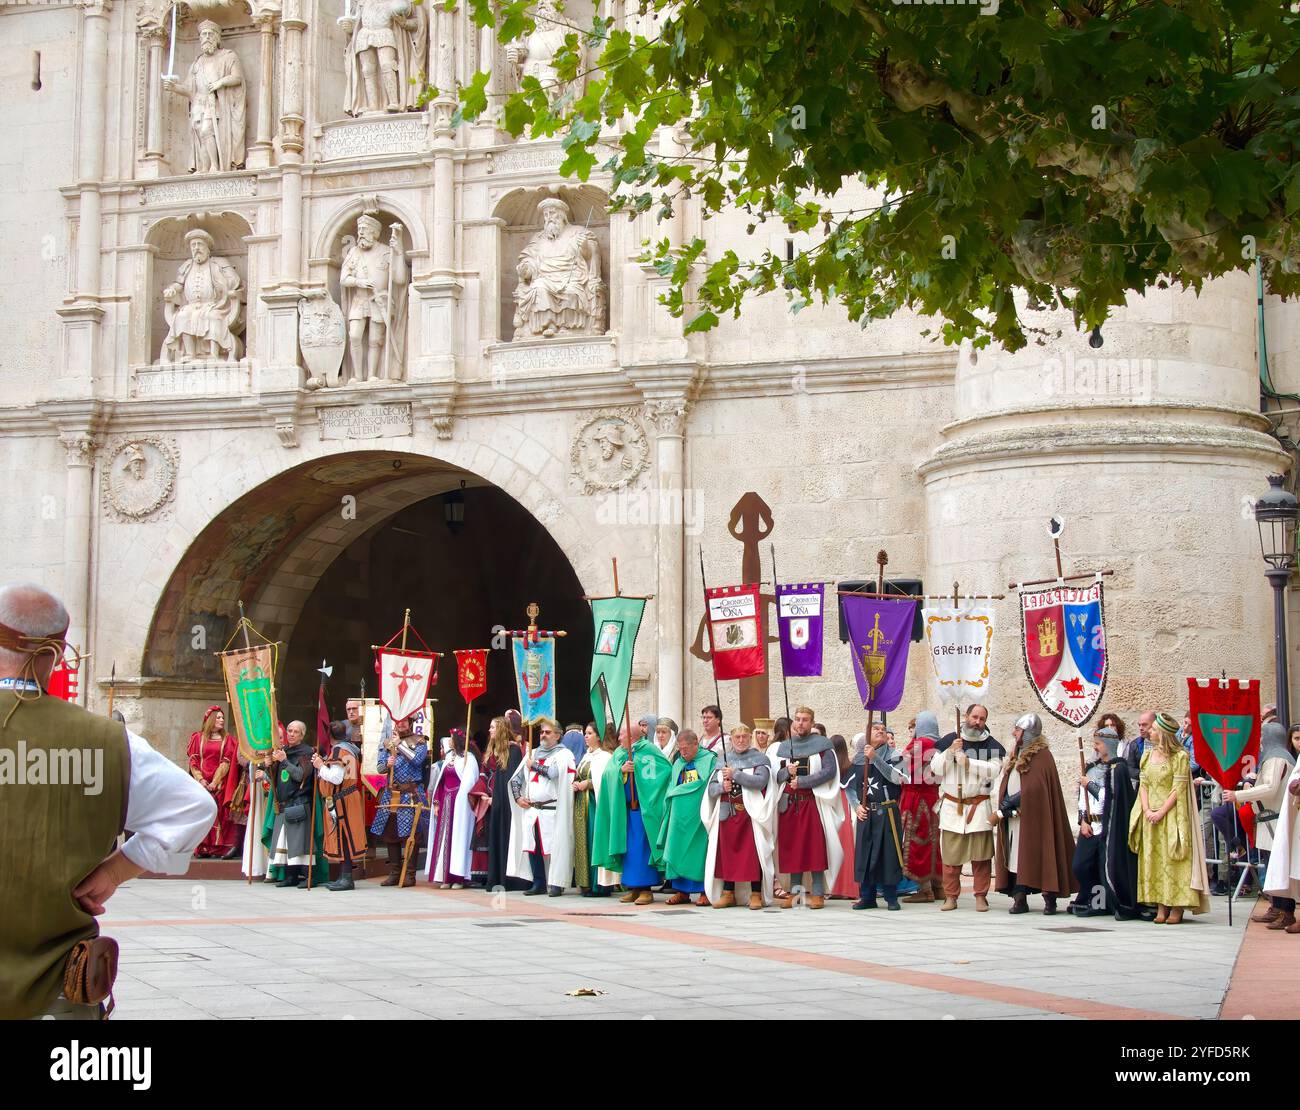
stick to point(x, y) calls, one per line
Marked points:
point(90, 164)
point(76, 539)
point(669, 418)
point(260, 151)
point(153, 125)
point(438, 307)
point(291, 141)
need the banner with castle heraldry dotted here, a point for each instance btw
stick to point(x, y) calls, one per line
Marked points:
point(535, 676)
point(736, 631)
point(1063, 638)
point(880, 632)
point(249, 674)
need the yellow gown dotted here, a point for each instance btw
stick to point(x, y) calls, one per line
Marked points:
point(1170, 855)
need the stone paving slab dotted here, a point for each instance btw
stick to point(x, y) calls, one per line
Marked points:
point(234, 950)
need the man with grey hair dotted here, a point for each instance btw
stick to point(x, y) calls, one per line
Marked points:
point(218, 104)
point(57, 839)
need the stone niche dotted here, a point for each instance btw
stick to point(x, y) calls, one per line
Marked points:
point(519, 217)
point(163, 261)
point(327, 269)
point(239, 33)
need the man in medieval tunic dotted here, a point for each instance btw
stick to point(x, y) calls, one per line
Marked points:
point(449, 860)
point(965, 811)
point(1267, 796)
point(807, 822)
point(387, 56)
point(402, 810)
point(737, 810)
point(293, 780)
point(541, 830)
point(375, 319)
point(683, 840)
point(202, 306)
point(343, 804)
point(1035, 848)
point(1105, 869)
point(218, 105)
point(560, 290)
point(214, 765)
point(629, 812)
point(877, 783)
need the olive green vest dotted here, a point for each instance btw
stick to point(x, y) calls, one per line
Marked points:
point(52, 835)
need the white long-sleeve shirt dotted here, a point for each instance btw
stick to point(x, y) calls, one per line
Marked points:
point(167, 812)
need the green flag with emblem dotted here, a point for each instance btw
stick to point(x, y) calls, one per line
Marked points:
point(617, 620)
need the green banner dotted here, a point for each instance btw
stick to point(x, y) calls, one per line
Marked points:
point(617, 621)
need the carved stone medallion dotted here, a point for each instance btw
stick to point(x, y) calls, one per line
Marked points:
point(139, 477)
point(609, 451)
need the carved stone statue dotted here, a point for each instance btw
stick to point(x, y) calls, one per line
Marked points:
point(535, 56)
point(202, 307)
point(373, 283)
point(215, 88)
point(388, 56)
point(560, 291)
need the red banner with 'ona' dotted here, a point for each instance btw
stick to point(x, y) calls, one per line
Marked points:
point(735, 620)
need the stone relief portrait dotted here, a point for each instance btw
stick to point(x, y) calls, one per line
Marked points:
point(139, 477)
point(609, 451)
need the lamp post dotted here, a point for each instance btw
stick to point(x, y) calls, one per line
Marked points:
point(1276, 514)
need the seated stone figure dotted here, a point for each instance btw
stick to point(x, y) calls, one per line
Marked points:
point(202, 307)
point(560, 291)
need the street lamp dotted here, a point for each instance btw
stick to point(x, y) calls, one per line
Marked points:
point(453, 509)
point(1276, 514)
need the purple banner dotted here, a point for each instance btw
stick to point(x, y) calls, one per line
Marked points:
point(880, 632)
point(799, 626)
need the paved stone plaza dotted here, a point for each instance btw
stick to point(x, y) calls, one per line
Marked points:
point(229, 950)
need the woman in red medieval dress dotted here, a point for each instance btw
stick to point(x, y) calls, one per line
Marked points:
point(214, 764)
point(921, 860)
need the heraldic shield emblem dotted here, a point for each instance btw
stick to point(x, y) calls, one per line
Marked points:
point(253, 691)
point(1063, 639)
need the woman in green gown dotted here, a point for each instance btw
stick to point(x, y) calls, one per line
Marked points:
point(1164, 829)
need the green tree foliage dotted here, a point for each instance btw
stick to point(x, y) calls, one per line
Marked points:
point(1066, 153)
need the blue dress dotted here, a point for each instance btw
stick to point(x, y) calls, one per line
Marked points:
point(637, 871)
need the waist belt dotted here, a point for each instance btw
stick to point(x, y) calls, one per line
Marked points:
point(962, 803)
point(404, 787)
point(541, 805)
point(346, 791)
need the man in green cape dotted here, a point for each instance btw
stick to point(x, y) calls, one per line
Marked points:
point(629, 813)
point(683, 840)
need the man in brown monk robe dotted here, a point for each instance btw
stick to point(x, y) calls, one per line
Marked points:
point(1035, 848)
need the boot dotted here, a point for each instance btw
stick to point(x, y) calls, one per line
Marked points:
point(1019, 903)
point(1049, 904)
point(925, 894)
point(727, 900)
point(290, 878)
point(1293, 928)
point(1266, 916)
point(936, 888)
point(948, 904)
point(755, 900)
point(865, 904)
point(1283, 922)
point(981, 903)
point(410, 874)
point(554, 891)
point(645, 898)
point(534, 890)
point(630, 897)
point(394, 866)
point(816, 902)
point(343, 882)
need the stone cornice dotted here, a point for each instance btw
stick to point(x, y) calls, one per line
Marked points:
point(1110, 409)
point(840, 375)
point(1135, 438)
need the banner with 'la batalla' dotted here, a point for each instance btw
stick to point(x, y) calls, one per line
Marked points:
point(1063, 640)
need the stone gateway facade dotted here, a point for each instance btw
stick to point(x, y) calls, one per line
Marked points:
point(297, 341)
